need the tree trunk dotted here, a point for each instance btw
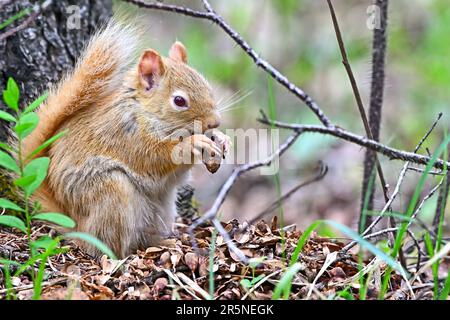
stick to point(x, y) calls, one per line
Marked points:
point(40, 54)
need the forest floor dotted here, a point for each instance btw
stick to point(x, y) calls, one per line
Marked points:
point(174, 270)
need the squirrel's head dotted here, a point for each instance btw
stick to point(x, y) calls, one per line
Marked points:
point(174, 92)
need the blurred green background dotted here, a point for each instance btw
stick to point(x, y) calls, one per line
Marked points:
point(297, 37)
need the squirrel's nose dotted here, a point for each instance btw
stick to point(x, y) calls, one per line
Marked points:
point(213, 123)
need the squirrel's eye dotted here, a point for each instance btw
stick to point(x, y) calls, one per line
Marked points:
point(180, 101)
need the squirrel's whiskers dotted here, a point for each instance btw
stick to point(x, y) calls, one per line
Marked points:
point(232, 101)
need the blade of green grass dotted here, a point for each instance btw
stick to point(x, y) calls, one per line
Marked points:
point(286, 282)
point(212, 252)
point(446, 290)
point(362, 225)
point(370, 186)
point(440, 231)
point(301, 242)
point(15, 17)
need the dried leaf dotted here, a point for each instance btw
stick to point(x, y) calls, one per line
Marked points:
point(191, 260)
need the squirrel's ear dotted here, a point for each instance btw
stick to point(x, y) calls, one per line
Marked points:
point(151, 69)
point(178, 52)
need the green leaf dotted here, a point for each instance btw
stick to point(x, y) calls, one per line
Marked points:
point(6, 161)
point(11, 95)
point(25, 181)
point(286, 281)
point(7, 204)
point(47, 143)
point(6, 147)
point(38, 167)
point(246, 283)
point(255, 280)
point(36, 103)
point(56, 218)
point(345, 294)
point(26, 124)
point(9, 262)
point(6, 116)
point(43, 242)
point(13, 222)
point(93, 241)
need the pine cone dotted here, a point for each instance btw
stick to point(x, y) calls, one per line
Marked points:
point(186, 207)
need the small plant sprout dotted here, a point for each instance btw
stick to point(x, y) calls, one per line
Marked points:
point(253, 264)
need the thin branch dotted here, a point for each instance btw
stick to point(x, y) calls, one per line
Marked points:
point(376, 146)
point(228, 241)
point(419, 250)
point(428, 196)
point(37, 10)
point(261, 63)
point(380, 233)
point(420, 170)
point(4, 3)
point(21, 26)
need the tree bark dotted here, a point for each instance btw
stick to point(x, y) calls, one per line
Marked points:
point(40, 54)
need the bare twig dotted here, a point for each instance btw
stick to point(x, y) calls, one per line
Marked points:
point(214, 17)
point(420, 170)
point(4, 3)
point(260, 282)
point(419, 250)
point(37, 10)
point(21, 26)
point(380, 233)
point(343, 134)
point(30, 286)
point(428, 196)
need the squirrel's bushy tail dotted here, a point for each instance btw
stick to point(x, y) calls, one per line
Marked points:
point(98, 73)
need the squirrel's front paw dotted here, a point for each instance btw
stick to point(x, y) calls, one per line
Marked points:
point(202, 146)
point(222, 140)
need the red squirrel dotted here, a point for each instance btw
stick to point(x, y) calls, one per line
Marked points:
point(116, 171)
